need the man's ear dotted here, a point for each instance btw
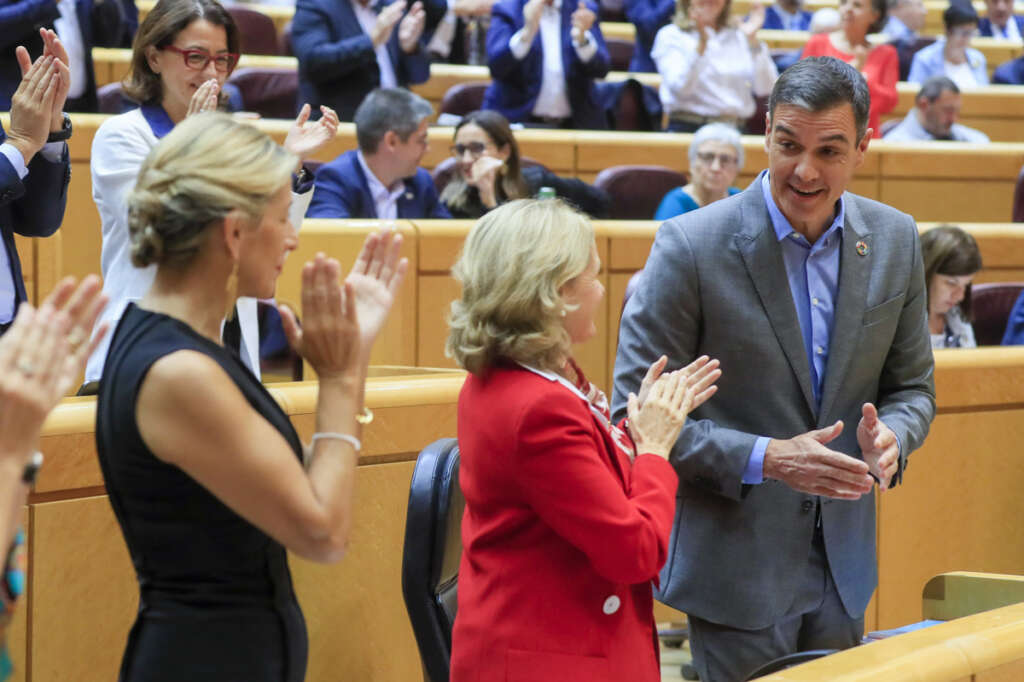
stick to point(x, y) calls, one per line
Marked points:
point(767, 130)
point(391, 139)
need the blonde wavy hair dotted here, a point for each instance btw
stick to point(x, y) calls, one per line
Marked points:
point(209, 165)
point(513, 265)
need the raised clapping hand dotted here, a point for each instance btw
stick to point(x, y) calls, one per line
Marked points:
point(531, 16)
point(329, 336)
point(204, 98)
point(878, 445)
point(582, 20)
point(753, 23)
point(53, 47)
point(805, 464)
point(32, 103)
point(375, 278)
point(306, 138)
point(411, 28)
point(656, 418)
point(42, 356)
point(386, 22)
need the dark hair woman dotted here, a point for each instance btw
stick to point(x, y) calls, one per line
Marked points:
point(951, 260)
point(489, 172)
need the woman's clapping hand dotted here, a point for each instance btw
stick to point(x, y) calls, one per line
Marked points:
point(657, 415)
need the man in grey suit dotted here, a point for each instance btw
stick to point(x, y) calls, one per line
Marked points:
point(813, 299)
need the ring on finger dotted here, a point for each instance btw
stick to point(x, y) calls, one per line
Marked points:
point(26, 368)
point(76, 337)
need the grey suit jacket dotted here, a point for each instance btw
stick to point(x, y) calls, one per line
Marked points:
point(715, 283)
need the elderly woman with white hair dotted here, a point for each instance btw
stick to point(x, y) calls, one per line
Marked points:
point(716, 157)
point(567, 514)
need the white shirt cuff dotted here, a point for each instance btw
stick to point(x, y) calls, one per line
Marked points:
point(518, 45)
point(588, 49)
point(15, 157)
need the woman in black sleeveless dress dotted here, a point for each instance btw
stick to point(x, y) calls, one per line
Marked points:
point(205, 473)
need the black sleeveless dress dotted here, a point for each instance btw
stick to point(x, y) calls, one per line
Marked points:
point(215, 594)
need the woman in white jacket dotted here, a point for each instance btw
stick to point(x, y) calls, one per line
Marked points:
point(183, 53)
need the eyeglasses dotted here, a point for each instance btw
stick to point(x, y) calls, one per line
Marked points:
point(475, 149)
point(197, 60)
point(724, 160)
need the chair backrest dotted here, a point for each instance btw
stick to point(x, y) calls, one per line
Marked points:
point(270, 92)
point(443, 172)
point(757, 123)
point(991, 305)
point(432, 552)
point(1018, 198)
point(462, 98)
point(256, 29)
point(110, 99)
point(788, 661)
point(620, 53)
point(636, 191)
point(906, 49)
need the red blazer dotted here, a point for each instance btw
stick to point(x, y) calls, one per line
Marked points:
point(881, 71)
point(562, 536)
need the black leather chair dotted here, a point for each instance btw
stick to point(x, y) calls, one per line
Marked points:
point(462, 98)
point(270, 92)
point(991, 304)
point(789, 661)
point(256, 29)
point(637, 190)
point(620, 53)
point(431, 555)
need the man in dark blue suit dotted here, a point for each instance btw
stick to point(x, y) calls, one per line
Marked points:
point(544, 56)
point(34, 165)
point(346, 48)
point(95, 23)
point(1001, 22)
point(787, 15)
point(1010, 73)
point(648, 16)
point(381, 179)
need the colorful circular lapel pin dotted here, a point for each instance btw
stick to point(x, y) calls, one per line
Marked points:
point(862, 248)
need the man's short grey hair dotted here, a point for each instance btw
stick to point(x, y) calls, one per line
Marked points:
point(933, 88)
point(821, 83)
point(717, 132)
point(386, 109)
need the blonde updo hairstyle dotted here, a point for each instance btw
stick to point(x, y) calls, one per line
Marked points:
point(513, 265)
point(207, 166)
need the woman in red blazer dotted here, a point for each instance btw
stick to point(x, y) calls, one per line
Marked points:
point(567, 515)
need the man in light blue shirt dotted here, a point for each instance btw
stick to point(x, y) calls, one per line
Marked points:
point(933, 116)
point(34, 164)
point(813, 300)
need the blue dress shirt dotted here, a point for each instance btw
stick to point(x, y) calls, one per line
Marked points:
point(813, 274)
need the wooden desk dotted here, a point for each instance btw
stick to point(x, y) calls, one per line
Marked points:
point(82, 593)
point(987, 647)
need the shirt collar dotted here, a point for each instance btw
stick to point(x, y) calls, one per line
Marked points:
point(551, 376)
point(782, 226)
point(159, 122)
point(377, 188)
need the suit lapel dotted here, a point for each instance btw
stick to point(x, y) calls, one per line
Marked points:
point(762, 257)
point(854, 274)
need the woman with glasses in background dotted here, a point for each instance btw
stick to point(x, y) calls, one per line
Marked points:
point(952, 56)
point(716, 157)
point(489, 172)
point(183, 53)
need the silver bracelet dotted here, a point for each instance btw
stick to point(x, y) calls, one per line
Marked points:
point(330, 435)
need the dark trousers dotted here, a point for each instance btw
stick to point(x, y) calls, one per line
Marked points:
point(816, 620)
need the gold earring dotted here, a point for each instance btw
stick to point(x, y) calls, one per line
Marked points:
point(231, 288)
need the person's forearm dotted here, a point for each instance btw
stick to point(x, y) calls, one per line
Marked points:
point(13, 493)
